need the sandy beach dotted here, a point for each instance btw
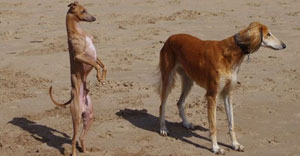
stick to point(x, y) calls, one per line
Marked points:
point(128, 38)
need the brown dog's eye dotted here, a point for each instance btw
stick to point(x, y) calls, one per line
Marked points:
point(268, 34)
point(83, 11)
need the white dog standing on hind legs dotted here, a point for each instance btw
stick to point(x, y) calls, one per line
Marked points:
point(206, 63)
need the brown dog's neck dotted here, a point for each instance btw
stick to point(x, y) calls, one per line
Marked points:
point(73, 26)
point(233, 54)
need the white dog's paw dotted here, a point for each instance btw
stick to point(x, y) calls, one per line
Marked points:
point(188, 125)
point(218, 151)
point(164, 132)
point(238, 147)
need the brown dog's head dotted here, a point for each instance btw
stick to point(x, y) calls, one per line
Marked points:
point(255, 35)
point(80, 13)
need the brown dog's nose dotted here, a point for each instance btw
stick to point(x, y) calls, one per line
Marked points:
point(93, 19)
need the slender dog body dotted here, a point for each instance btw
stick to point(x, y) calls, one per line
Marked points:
point(83, 59)
point(207, 63)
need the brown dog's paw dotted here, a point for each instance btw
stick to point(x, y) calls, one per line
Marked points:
point(99, 77)
point(102, 82)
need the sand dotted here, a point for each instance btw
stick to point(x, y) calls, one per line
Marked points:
point(128, 38)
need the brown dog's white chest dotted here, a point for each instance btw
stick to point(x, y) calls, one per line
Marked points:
point(90, 49)
point(228, 80)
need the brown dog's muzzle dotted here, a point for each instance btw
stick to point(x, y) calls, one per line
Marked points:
point(93, 19)
point(90, 19)
point(87, 18)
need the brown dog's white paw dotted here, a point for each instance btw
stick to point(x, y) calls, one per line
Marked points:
point(164, 132)
point(219, 151)
point(238, 147)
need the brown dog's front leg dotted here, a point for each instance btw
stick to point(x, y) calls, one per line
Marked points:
point(103, 68)
point(84, 59)
point(211, 109)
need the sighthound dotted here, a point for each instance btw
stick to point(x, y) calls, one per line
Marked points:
point(83, 59)
point(208, 63)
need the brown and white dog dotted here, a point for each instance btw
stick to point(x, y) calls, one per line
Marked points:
point(206, 63)
point(83, 58)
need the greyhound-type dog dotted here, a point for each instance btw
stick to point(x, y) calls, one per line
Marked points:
point(83, 59)
point(206, 63)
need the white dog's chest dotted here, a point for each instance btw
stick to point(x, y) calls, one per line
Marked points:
point(90, 48)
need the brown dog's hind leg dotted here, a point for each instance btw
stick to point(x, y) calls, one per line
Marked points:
point(168, 71)
point(187, 84)
point(164, 96)
point(76, 118)
point(88, 119)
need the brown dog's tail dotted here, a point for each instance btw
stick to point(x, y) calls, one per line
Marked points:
point(55, 102)
point(166, 59)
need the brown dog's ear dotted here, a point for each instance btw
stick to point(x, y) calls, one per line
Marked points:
point(242, 40)
point(250, 38)
point(73, 5)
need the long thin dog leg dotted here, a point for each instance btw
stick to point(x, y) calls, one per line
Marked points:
point(211, 101)
point(76, 117)
point(226, 94)
point(75, 130)
point(167, 82)
point(163, 128)
point(187, 84)
point(229, 111)
point(88, 119)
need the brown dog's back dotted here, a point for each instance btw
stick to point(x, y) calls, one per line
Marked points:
point(196, 57)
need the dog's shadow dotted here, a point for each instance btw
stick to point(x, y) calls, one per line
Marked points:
point(146, 121)
point(42, 133)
